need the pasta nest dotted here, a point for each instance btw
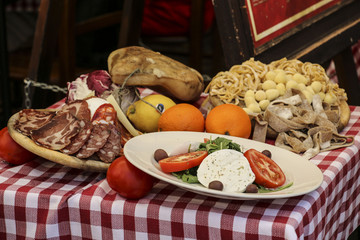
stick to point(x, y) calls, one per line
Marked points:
point(253, 84)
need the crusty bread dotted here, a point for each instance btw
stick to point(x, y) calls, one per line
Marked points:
point(156, 71)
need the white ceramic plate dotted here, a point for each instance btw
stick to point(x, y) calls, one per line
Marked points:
point(305, 175)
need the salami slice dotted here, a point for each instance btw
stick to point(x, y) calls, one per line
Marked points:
point(80, 139)
point(105, 114)
point(31, 119)
point(57, 133)
point(96, 141)
point(112, 147)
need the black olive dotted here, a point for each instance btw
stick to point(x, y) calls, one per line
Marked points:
point(160, 154)
point(267, 153)
point(217, 185)
point(251, 188)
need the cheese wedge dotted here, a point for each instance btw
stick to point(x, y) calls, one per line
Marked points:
point(122, 117)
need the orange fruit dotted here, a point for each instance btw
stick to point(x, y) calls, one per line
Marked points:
point(182, 117)
point(228, 119)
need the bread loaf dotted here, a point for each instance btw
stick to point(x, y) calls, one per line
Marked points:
point(155, 71)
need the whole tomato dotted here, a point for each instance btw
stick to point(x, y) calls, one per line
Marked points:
point(127, 180)
point(12, 152)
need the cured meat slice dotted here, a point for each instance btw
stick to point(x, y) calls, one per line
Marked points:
point(80, 139)
point(112, 147)
point(96, 141)
point(78, 108)
point(57, 133)
point(125, 134)
point(31, 119)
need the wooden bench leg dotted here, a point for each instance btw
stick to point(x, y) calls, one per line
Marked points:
point(347, 75)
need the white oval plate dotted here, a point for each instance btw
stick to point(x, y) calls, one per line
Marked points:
point(305, 175)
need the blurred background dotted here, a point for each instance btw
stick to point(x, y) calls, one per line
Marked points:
point(165, 27)
point(87, 31)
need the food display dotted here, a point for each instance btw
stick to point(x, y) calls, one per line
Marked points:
point(287, 100)
point(290, 101)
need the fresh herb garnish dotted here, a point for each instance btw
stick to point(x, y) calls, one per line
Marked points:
point(188, 175)
point(262, 189)
point(217, 144)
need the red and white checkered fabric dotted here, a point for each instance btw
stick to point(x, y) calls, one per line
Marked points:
point(331, 72)
point(45, 200)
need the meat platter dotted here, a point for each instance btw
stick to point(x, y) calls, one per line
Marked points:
point(54, 156)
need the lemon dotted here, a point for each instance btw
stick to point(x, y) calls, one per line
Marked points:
point(145, 117)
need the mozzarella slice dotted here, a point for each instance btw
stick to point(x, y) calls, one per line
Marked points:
point(184, 148)
point(94, 103)
point(227, 166)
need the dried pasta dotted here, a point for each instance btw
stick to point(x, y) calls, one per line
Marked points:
point(231, 86)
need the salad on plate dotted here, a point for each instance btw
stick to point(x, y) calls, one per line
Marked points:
point(223, 165)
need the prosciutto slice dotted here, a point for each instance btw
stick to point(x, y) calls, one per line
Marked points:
point(78, 108)
point(31, 119)
point(57, 133)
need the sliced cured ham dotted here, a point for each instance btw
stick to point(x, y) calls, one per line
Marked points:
point(57, 133)
point(87, 129)
point(31, 119)
point(80, 139)
point(112, 147)
point(96, 141)
point(78, 108)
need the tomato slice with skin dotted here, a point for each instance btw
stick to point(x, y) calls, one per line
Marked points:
point(267, 172)
point(182, 161)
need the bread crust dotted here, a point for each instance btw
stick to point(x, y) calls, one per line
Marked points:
point(155, 71)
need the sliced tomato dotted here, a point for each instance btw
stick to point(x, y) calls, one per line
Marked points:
point(105, 113)
point(182, 161)
point(267, 172)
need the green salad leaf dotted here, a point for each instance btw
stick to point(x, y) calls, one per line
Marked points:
point(217, 144)
point(262, 189)
point(188, 175)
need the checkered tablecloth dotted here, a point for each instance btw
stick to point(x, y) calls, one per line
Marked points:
point(45, 200)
